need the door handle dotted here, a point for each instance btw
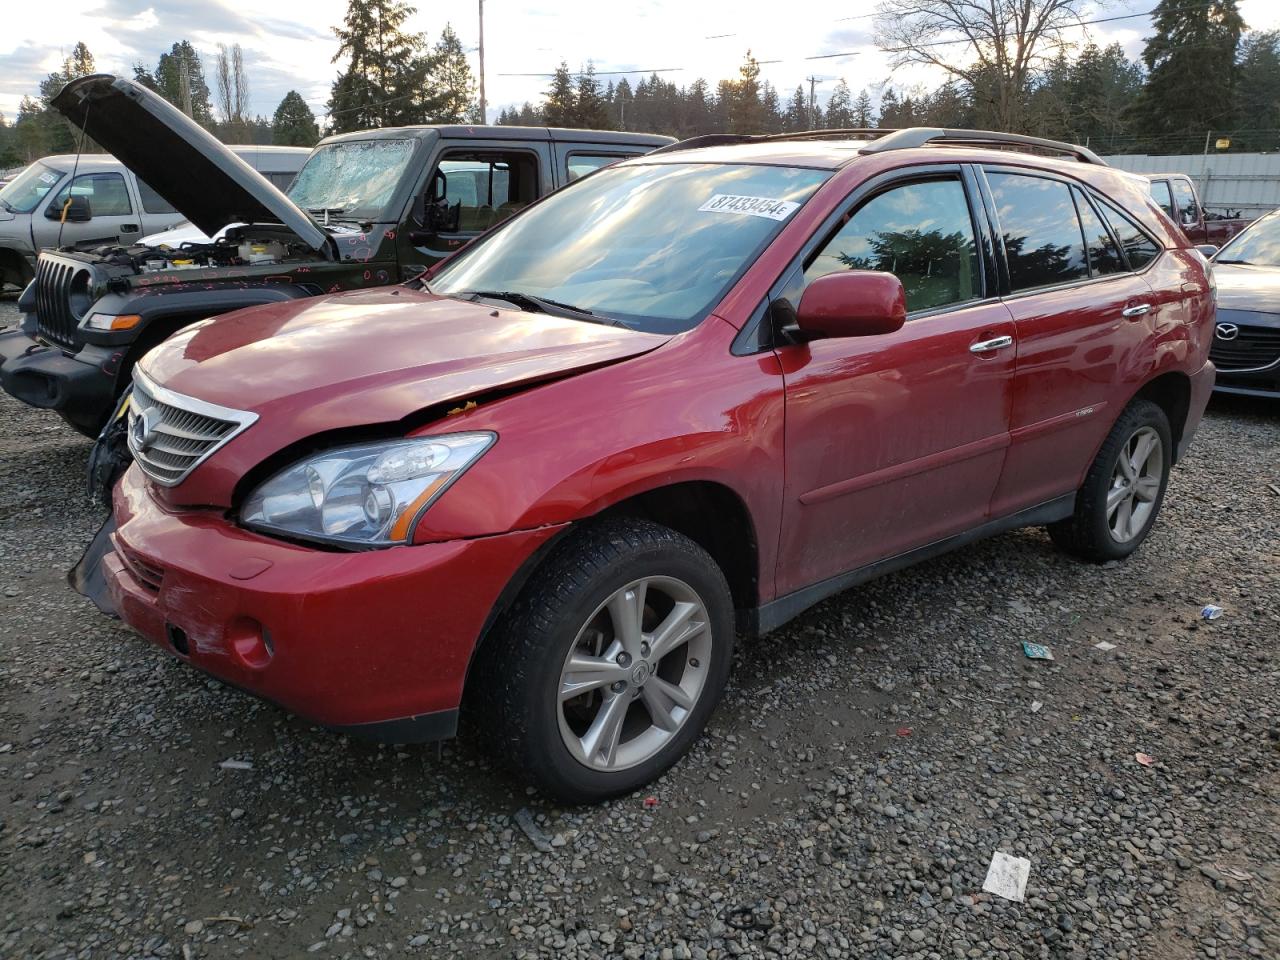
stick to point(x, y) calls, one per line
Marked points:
point(996, 343)
point(128, 228)
point(1137, 310)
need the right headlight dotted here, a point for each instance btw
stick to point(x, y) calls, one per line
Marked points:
point(369, 494)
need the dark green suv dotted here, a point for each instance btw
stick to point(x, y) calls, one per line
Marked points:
point(367, 209)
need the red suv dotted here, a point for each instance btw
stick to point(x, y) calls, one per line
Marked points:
point(684, 399)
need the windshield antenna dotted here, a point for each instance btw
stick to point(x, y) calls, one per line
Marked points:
point(66, 204)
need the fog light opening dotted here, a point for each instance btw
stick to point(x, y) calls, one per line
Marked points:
point(177, 639)
point(251, 643)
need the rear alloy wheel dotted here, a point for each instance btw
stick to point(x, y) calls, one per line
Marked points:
point(1122, 493)
point(609, 664)
point(1136, 481)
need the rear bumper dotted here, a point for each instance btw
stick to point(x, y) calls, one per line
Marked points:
point(1202, 382)
point(376, 643)
point(82, 386)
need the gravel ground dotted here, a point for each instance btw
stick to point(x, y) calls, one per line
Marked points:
point(845, 802)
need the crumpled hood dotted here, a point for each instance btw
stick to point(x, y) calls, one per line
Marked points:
point(365, 357)
point(1243, 287)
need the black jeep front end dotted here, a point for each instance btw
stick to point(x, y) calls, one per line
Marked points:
point(49, 361)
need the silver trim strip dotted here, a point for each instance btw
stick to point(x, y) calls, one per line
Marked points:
point(243, 420)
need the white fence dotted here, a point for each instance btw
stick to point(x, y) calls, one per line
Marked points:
point(1248, 182)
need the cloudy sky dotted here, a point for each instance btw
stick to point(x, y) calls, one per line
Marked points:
point(292, 45)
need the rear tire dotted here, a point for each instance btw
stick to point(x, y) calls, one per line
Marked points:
point(1120, 499)
point(610, 662)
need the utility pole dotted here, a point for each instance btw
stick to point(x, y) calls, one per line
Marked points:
point(484, 115)
point(813, 81)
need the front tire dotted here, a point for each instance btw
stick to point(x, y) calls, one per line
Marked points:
point(1120, 499)
point(609, 664)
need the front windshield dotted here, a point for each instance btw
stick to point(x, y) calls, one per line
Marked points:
point(27, 189)
point(351, 179)
point(1258, 245)
point(652, 245)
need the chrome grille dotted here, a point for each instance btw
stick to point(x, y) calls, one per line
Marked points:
point(1251, 349)
point(171, 434)
point(54, 318)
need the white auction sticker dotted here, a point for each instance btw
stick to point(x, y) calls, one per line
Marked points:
point(752, 206)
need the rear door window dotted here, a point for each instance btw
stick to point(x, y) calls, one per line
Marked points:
point(1043, 243)
point(1137, 246)
point(151, 201)
point(580, 164)
point(921, 232)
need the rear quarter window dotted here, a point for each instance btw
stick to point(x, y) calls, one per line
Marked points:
point(1137, 245)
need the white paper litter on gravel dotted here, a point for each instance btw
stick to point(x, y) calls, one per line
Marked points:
point(1007, 876)
point(1104, 646)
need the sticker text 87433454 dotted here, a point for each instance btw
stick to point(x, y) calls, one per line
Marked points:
point(751, 206)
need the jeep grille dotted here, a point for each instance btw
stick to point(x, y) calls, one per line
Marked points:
point(55, 319)
point(171, 434)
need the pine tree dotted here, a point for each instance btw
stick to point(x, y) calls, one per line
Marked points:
point(770, 108)
point(1191, 69)
point(890, 110)
point(181, 60)
point(31, 135)
point(294, 125)
point(561, 106)
point(590, 109)
point(796, 116)
point(386, 81)
point(699, 109)
point(840, 106)
point(1258, 97)
point(59, 135)
point(863, 115)
point(454, 83)
point(744, 109)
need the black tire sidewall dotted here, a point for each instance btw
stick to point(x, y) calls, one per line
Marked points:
point(550, 763)
point(1098, 529)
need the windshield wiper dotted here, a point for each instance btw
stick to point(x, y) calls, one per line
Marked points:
point(1247, 263)
point(527, 301)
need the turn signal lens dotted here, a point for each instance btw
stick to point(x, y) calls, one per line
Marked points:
point(107, 321)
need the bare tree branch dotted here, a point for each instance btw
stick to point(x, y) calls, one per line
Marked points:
point(995, 46)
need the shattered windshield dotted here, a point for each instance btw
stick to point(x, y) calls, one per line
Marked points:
point(351, 180)
point(651, 246)
point(27, 189)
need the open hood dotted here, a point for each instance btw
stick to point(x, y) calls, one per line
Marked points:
point(179, 159)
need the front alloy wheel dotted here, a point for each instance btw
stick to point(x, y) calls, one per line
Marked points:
point(634, 673)
point(609, 663)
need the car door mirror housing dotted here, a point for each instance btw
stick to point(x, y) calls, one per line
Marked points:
point(853, 303)
point(1207, 250)
point(78, 210)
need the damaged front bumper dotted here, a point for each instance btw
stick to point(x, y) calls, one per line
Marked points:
point(377, 643)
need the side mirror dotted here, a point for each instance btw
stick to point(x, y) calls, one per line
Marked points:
point(78, 210)
point(1207, 250)
point(853, 303)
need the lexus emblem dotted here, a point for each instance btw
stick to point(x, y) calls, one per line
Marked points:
point(144, 429)
point(1227, 331)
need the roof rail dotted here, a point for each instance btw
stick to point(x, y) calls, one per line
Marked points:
point(921, 136)
point(724, 139)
